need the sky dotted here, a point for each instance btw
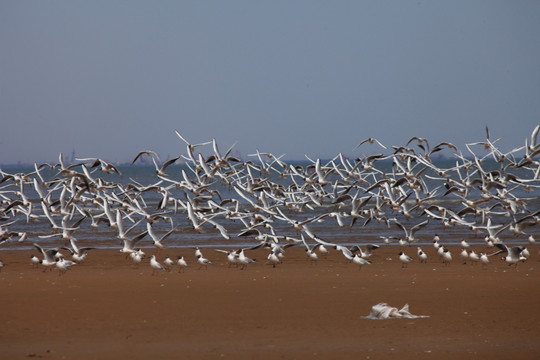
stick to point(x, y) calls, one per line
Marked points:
point(111, 78)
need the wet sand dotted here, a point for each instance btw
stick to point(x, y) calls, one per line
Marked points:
point(107, 308)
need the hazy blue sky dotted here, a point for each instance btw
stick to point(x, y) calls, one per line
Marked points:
point(111, 78)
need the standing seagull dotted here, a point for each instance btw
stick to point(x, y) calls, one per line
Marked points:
point(182, 264)
point(169, 263)
point(405, 259)
point(273, 259)
point(203, 262)
point(155, 265)
point(244, 260)
point(422, 256)
point(232, 257)
point(63, 265)
point(484, 260)
point(34, 260)
point(446, 256)
point(357, 259)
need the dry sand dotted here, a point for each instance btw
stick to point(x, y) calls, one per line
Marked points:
point(107, 308)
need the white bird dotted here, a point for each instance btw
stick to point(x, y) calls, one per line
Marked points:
point(525, 253)
point(447, 257)
point(182, 264)
point(465, 244)
point(409, 234)
point(155, 238)
point(513, 254)
point(345, 251)
point(273, 259)
point(63, 265)
point(358, 259)
point(463, 254)
point(203, 262)
point(232, 257)
point(310, 252)
point(48, 255)
point(243, 260)
point(367, 253)
point(371, 141)
point(484, 259)
point(136, 257)
point(405, 259)
point(473, 256)
point(323, 250)
point(422, 256)
point(155, 265)
point(168, 263)
point(129, 244)
point(34, 260)
point(78, 254)
point(312, 256)
point(440, 250)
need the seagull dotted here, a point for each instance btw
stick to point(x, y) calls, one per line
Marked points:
point(346, 252)
point(156, 239)
point(473, 256)
point(203, 262)
point(323, 250)
point(34, 260)
point(244, 260)
point(168, 262)
point(405, 259)
point(440, 251)
point(446, 256)
point(409, 235)
point(273, 259)
point(371, 141)
point(129, 244)
point(513, 254)
point(422, 256)
point(77, 254)
point(63, 265)
point(159, 170)
point(232, 256)
point(155, 265)
point(525, 253)
point(463, 254)
point(182, 264)
point(312, 255)
point(367, 253)
point(48, 255)
point(136, 256)
point(484, 259)
point(358, 259)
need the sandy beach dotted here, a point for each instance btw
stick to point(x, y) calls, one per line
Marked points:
point(108, 308)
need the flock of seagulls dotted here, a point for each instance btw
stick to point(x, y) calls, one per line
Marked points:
point(485, 193)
